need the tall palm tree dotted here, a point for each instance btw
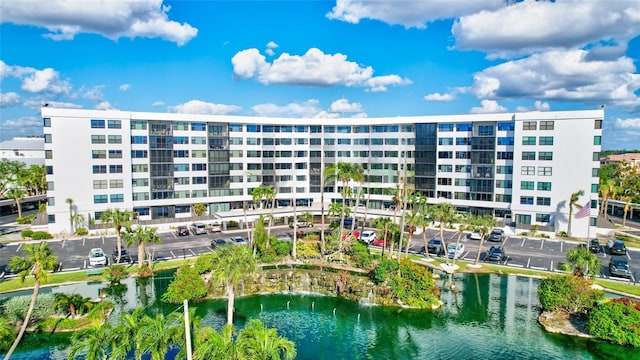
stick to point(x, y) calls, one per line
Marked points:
point(158, 334)
point(483, 224)
point(607, 191)
point(37, 262)
point(573, 203)
point(142, 236)
point(210, 344)
point(627, 206)
point(383, 224)
point(94, 340)
point(258, 342)
point(119, 219)
point(70, 202)
point(230, 265)
point(444, 213)
point(412, 220)
point(270, 196)
point(464, 219)
point(125, 334)
point(357, 175)
point(17, 194)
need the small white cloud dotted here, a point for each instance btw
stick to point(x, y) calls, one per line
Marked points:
point(308, 109)
point(538, 106)
point(630, 124)
point(202, 107)
point(344, 106)
point(359, 115)
point(9, 99)
point(93, 94)
point(112, 19)
point(158, 103)
point(270, 46)
point(440, 97)
point(488, 107)
point(124, 87)
point(46, 80)
point(36, 104)
point(27, 121)
point(104, 105)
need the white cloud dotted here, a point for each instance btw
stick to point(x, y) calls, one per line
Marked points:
point(113, 19)
point(538, 106)
point(104, 105)
point(9, 99)
point(202, 107)
point(27, 121)
point(407, 13)
point(124, 87)
point(439, 97)
point(37, 103)
point(344, 106)
point(561, 75)
point(93, 94)
point(314, 68)
point(630, 124)
point(270, 46)
point(308, 109)
point(488, 107)
point(158, 103)
point(46, 80)
point(529, 26)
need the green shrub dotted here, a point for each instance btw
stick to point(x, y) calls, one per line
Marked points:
point(7, 334)
point(282, 248)
point(308, 249)
point(565, 267)
point(568, 293)
point(361, 256)
point(385, 269)
point(414, 286)
point(204, 263)
point(116, 273)
point(16, 307)
point(232, 224)
point(187, 285)
point(41, 235)
point(26, 233)
point(82, 231)
point(25, 220)
point(616, 321)
point(562, 234)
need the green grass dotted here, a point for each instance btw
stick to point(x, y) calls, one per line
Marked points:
point(630, 241)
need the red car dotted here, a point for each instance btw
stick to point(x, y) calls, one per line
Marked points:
point(378, 243)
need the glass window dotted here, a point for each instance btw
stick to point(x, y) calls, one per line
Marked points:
point(463, 141)
point(47, 138)
point(546, 140)
point(464, 127)
point(526, 185)
point(99, 169)
point(98, 154)
point(138, 168)
point(97, 124)
point(528, 155)
point(445, 168)
point(506, 140)
point(596, 156)
point(543, 218)
point(594, 188)
point(595, 172)
point(526, 200)
point(198, 180)
point(253, 128)
point(235, 127)
point(115, 139)
point(344, 141)
point(100, 199)
point(504, 169)
point(139, 154)
point(115, 154)
point(545, 155)
point(529, 140)
point(444, 141)
point(544, 171)
point(114, 124)
point(140, 182)
point(597, 140)
point(138, 140)
point(99, 184)
point(253, 141)
point(546, 125)
point(198, 126)
point(445, 154)
point(485, 130)
point(445, 127)
point(528, 170)
point(199, 140)
point(180, 139)
point(543, 201)
point(117, 198)
point(529, 125)
point(46, 122)
point(98, 139)
point(116, 183)
point(115, 169)
point(597, 124)
point(138, 125)
point(504, 155)
point(544, 186)
point(506, 126)
point(51, 201)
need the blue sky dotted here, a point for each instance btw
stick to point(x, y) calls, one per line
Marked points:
point(310, 59)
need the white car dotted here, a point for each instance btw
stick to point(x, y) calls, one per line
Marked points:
point(198, 228)
point(455, 253)
point(97, 257)
point(368, 236)
point(475, 235)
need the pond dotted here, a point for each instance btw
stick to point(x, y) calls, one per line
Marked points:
point(489, 316)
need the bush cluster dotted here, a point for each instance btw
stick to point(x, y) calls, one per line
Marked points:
point(41, 235)
point(385, 269)
point(568, 293)
point(82, 231)
point(16, 307)
point(414, 286)
point(360, 255)
point(26, 233)
point(25, 220)
point(277, 250)
point(617, 321)
point(186, 285)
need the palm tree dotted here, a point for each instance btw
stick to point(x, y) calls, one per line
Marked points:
point(484, 224)
point(119, 219)
point(464, 219)
point(584, 261)
point(270, 196)
point(573, 203)
point(17, 194)
point(383, 224)
point(607, 191)
point(70, 202)
point(357, 175)
point(158, 334)
point(94, 340)
point(210, 344)
point(412, 220)
point(257, 342)
point(444, 213)
point(231, 264)
point(125, 334)
point(39, 260)
point(143, 236)
point(7, 332)
point(199, 209)
point(78, 220)
point(72, 304)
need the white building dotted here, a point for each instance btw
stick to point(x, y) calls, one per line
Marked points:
point(524, 165)
point(28, 150)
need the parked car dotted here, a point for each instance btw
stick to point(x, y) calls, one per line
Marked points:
point(198, 228)
point(300, 224)
point(97, 257)
point(594, 245)
point(616, 247)
point(496, 235)
point(379, 243)
point(182, 230)
point(238, 240)
point(218, 242)
point(455, 252)
point(619, 267)
point(124, 255)
point(368, 236)
point(496, 253)
point(348, 222)
point(214, 227)
point(475, 235)
point(434, 246)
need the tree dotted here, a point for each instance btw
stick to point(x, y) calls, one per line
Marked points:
point(37, 262)
point(568, 294)
point(573, 203)
point(7, 333)
point(73, 305)
point(210, 344)
point(258, 342)
point(186, 285)
point(231, 264)
point(95, 340)
point(412, 220)
point(483, 224)
point(383, 224)
point(17, 194)
point(142, 236)
point(607, 191)
point(583, 261)
point(119, 219)
point(9, 171)
point(199, 209)
point(444, 213)
point(126, 334)
point(70, 202)
point(158, 334)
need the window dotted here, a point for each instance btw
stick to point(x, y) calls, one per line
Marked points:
point(543, 218)
point(49, 170)
point(464, 127)
point(506, 126)
point(445, 127)
point(116, 183)
point(546, 125)
point(344, 129)
point(138, 140)
point(504, 184)
point(546, 140)
point(329, 141)
point(50, 186)
point(544, 186)
point(99, 199)
point(235, 127)
point(115, 139)
point(594, 203)
point(463, 169)
point(597, 140)
point(199, 140)
point(392, 141)
point(283, 154)
point(198, 153)
point(596, 156)
point(137, 168)
point(180, 153)
point(99, 169)
point(445, 141)
point(180, 167)
point(97, 124)
point(526, 200)
point(543, 201)
point(444, 181)
point(445, 168)
point(597, 124)
point(46, 122)
point(317, 141)
point(114, 124)
point(504, 169)
point(529, 125)
point(138, 196)
point(528, 170)
point(98, 154)
point(594, 188)
point(462, 182)
point(485, 130)
point(463, 154)
point(182, 181)
point(529, 140)
point(198, 126)
point(99, 184)
point(199, 180)
point(98, 139)
point(138, 125)
point(139, 182)
point(503, 198)
point(139, 154)
point(47, 138)
point(529, 155)
point(544, 171)
point(253, 153)
point(504, 155)
point(595, 172)
point(253, 128)
point(115, 154)
point(526, 185)
point(392, 154)
point(51, 201)
point(545, 155)
point(344, 141)
point(445, 154)
point(116, 198)
point(505, 140)
point(180, 139)
point(115, 169)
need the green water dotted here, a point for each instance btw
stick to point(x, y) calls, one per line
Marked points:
point(488, 317)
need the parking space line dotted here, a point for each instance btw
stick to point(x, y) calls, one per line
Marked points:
point(516, 265)
point(561, 245)
point(528, 261)
point(541, 244)
point(194, 254)
point(63, 242)
point(83, 240)
point(538, 268)
point(172, 254)
point(19, 247)
point(628, 256)
point(84, 264)
point(523, 240)
point(551, 267)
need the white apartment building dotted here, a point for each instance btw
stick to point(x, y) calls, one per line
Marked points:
point(28, 150)
point(519, 165)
